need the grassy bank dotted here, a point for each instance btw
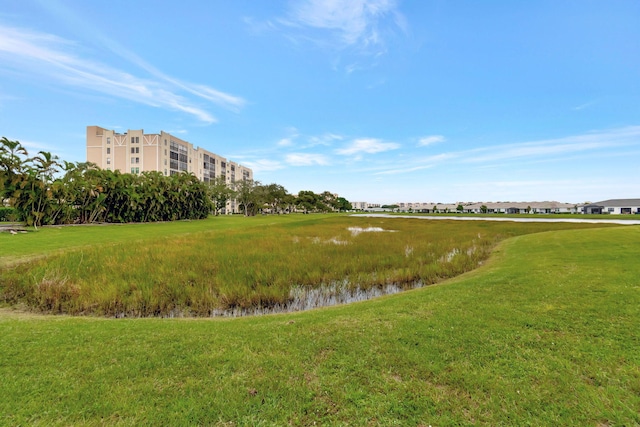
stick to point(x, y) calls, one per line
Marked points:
point(539, 216)
point(56, 239)
point(543, 334)
point(200, 269)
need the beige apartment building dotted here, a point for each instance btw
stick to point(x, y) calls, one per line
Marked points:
point(136, 152)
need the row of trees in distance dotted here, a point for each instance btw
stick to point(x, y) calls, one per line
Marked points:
point(42, 190)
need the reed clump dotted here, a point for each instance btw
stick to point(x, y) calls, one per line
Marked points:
point(251, 270)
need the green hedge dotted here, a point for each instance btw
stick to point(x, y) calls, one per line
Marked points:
point(8, 214)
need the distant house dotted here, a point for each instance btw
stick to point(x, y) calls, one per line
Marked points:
point(490, 207)
point(427, 207)
point(522, 207)
point(613, 206)
point(592, 208)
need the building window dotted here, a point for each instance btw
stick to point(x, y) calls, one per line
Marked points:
point(132, 150)
point(610, 210)
point(179, 157)
point(108, 160)
point(137, 159)
point(108, 140)
point(108, 150)
point(165, 162)
point(135, 170)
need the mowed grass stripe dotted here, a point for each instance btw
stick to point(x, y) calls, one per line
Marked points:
point(543, 334)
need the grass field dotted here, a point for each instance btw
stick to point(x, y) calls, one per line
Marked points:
point(275, 263)
point(544, 333)
point(549, 216)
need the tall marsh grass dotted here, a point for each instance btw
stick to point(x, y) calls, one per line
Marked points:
point(282, 266)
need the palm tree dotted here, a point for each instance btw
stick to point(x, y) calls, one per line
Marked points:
point(33, 195)
point(11, 166)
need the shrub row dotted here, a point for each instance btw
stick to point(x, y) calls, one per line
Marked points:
point(9, 214)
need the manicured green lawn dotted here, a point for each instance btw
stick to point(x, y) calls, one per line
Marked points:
point(545, 333)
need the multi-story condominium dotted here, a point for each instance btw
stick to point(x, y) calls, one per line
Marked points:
point(135, 151)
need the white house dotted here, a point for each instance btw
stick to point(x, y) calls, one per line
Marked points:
point(522, 207)
point(613, 206)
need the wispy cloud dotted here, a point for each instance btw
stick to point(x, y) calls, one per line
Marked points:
point(403, 170)
point(35, 147)
point(263, 165)
point(597, 143)
point(422, 163)
point(222, 99)
point(551, 148)
point(285, 142)
point(367, 145)
point(306, 159)
point(430, 140)
point(294, 138)
point(325, 139)
point(7, 100)
point(359, 25)
point(50, 57)
point(584, 106)
point(289, 140)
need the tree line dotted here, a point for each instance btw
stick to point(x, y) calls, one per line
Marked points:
point(43, 190)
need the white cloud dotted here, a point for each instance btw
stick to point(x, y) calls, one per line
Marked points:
point(360, 24)
point(176, 132)
point(289, 140)
point(35, 147)
point(325, 139)
point(51, 57)
point(263, 165)
point(420, 164)
point(368, 145)
point(430, 140)
point(553, 148)
point(498, 157)
point(403, 170)
point(285, 142)
point(306, 159)
point(222, 99)
point(584, 106)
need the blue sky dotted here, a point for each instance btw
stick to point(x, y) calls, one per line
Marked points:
point(378, 100)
